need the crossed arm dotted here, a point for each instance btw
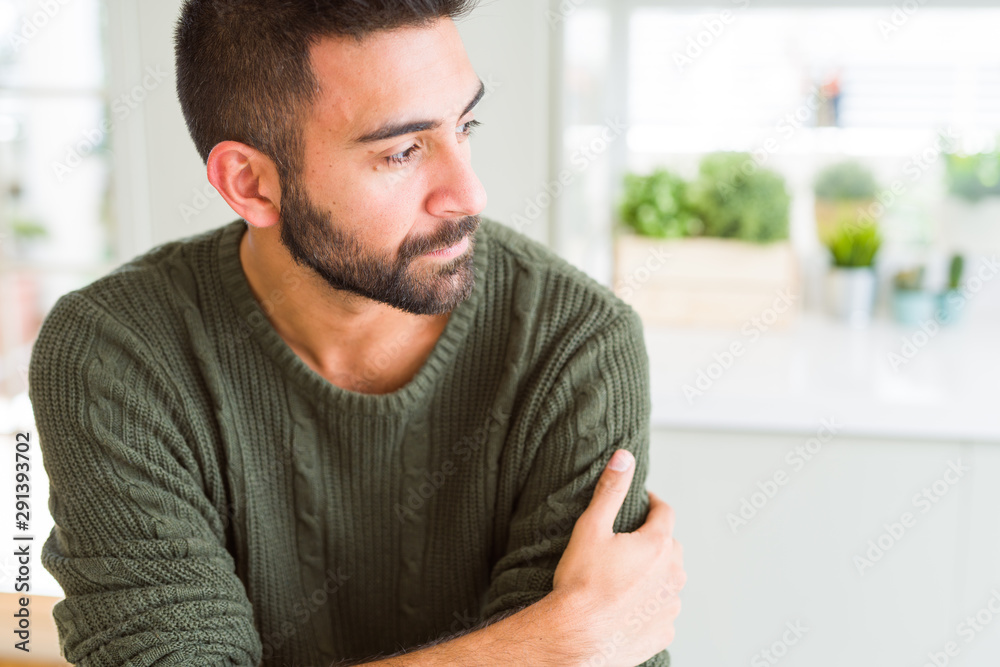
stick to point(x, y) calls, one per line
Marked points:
point(140, 551)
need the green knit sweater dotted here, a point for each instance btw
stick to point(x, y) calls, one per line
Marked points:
point(217, 502)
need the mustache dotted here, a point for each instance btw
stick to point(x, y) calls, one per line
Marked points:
point(451, 233)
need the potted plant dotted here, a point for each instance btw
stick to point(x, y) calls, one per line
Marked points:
point(911, 303)
point(951, 301)
point(27, 234)
point(969, 213)
point(657, 206)
point(851, 281)
point(841, 190)
point(973, 177)
point(713, 251)
point(735, 201)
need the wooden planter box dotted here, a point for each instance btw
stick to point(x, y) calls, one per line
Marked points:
point(708, 282)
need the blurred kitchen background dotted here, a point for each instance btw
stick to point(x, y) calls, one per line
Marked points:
point(801, 199)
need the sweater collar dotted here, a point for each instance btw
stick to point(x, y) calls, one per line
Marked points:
point(251, 318)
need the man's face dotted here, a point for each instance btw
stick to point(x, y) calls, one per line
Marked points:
point(386, 177)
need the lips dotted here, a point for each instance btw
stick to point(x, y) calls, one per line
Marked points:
point(453, 249)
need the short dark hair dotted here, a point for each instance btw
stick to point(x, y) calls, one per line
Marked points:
point(243, 70)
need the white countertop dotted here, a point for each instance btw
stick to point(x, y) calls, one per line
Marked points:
point(788, 381)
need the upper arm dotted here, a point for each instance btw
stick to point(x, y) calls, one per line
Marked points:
point(599, 402)
point(137, 546)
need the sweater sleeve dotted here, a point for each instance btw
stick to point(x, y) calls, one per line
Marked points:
point(137, 547)
point(599, 403)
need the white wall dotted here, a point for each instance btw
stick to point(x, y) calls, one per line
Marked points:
point(508, 43)
point(161, 182)
point(156, 166)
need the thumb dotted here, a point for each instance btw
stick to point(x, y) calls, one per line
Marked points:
point(612, 487)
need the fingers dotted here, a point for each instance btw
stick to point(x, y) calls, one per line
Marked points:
point(612, 487)
point(660, 520)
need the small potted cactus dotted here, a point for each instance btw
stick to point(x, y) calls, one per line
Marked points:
point(911, 303)
point(951, 301)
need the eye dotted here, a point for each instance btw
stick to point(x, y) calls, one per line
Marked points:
point(466, 129)
point(404, 157)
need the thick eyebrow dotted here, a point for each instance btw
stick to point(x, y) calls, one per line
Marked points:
point(399, 129)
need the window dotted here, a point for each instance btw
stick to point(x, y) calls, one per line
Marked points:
point(687, 81)
point(55, 223)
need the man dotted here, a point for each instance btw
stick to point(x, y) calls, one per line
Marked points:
point(359, 422)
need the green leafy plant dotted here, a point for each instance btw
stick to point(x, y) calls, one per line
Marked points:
point(657, 205)
point(846, 180)
point(973, 177)
point(854, 245)
point(27, 229)
point(955, 270)
point(736, 198)
point(910, 280)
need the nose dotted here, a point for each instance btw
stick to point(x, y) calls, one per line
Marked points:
point(456, 191)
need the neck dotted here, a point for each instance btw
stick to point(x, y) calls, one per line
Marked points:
point(356, 343)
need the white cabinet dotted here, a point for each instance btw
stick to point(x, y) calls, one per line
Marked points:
point(794, 560)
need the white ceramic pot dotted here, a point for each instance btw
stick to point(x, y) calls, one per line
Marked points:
point(850, 294)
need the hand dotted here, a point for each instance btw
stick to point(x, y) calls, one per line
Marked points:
point(622, 586)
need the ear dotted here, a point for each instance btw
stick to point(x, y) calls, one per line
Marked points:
point(248, 181)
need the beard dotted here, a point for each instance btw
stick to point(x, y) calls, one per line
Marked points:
point(346, 265)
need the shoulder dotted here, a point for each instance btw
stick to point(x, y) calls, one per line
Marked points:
point(564, 303)
point(148, 281)
point(143, 293)
point(133, 312)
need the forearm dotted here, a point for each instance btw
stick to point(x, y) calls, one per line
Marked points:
point(542, 634)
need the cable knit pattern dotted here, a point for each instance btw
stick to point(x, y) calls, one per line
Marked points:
point(217, 502)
